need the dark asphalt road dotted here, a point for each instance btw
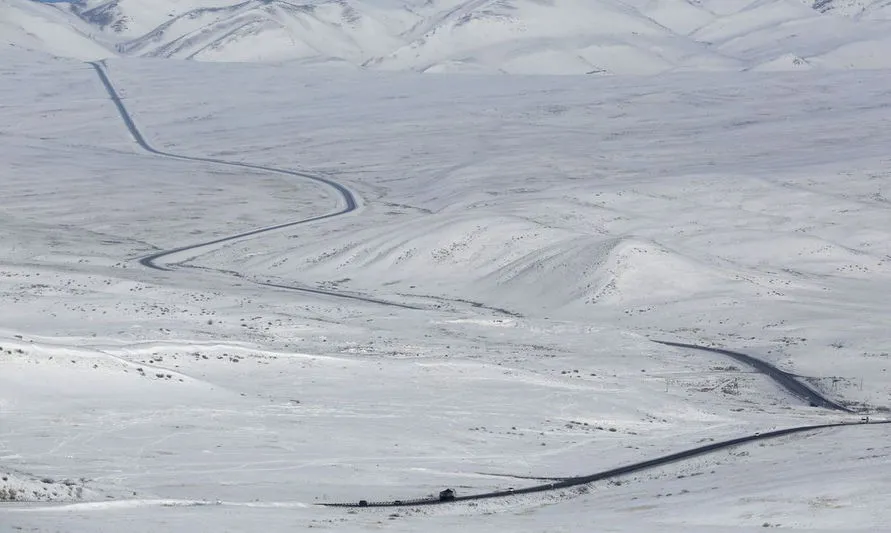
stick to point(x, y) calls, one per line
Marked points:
point(578, 481)
point(784, 379)
point(153, 261)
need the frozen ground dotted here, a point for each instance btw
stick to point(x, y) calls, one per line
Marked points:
point(545, 228)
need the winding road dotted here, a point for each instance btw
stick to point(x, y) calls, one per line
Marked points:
point(346, 199)
point(347, 203)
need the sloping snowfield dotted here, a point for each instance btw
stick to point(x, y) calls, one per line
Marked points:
point(485, 313)
point(33, 26)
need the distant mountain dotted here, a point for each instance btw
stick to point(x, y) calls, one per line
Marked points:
point(860, 9)
point(268, 30)
point(509, 36)
point(36, 27)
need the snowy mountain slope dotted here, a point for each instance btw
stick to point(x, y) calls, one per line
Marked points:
point(809, 39)
point(522, 36)
point(859, 9)
point(32, 26)
point(253, 31)
point(509, 36)
point(134, 18)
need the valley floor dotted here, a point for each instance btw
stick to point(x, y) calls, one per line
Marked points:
point(536, 234)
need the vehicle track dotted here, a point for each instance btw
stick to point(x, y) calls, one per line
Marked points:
point(579, 481)
point(784, 379)
point(153, 261)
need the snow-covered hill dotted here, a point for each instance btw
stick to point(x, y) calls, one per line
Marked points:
point(865, 9)
point(31, 26)
point(509, 36)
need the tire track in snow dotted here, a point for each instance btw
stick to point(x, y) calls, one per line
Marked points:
point(154, 261)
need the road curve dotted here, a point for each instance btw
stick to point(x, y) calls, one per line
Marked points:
point(784, 379)
point(151, 261)
point(346, 199)
point(578, 481)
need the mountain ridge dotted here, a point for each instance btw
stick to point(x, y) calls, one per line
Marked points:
point(496, 36)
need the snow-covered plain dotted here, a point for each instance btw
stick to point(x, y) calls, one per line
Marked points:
point(545, 228)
